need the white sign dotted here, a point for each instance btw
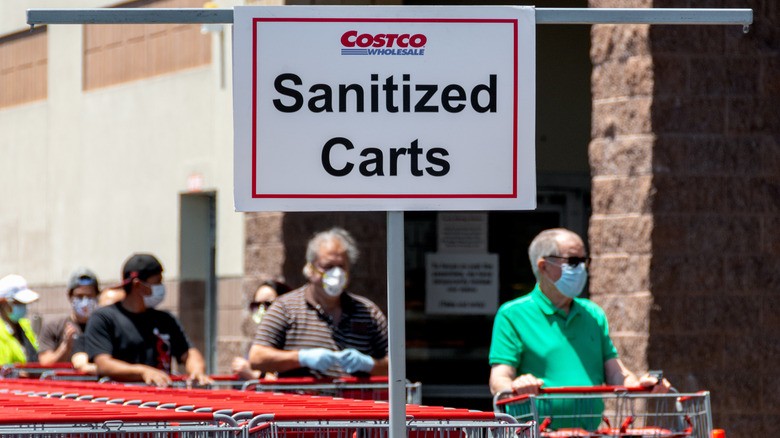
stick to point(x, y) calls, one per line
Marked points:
point(384, 108)
point(461, 283)
point(462, 232)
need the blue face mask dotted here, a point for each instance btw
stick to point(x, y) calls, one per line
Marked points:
point(572, 280)
point(18, 311)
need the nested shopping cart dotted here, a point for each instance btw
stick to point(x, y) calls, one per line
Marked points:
point(361, 388)
point(608, 411)
point(260, 427)
point(223, 411)
point(34, 369)
point(40, 415)
point(423, 422)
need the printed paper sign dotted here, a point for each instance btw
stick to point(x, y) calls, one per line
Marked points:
point(384, 108)
point(461, 284)
point(462, 232)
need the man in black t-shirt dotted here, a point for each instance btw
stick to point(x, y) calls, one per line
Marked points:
point(132, 341)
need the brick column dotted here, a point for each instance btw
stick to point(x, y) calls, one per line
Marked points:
point(620, 153)
point(685, 158)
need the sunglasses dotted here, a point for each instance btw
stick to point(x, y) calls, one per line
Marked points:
point(571, 261)
point(254, 305)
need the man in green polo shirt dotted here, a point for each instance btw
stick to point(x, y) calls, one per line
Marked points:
point(551, 338)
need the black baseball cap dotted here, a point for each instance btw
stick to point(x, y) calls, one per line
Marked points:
point(141, 266)
point(82, 277)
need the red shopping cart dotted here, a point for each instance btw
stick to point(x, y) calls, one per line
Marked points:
point(29, 414)
point(33, 369)
point(423, 422)
point(91, 405)
point(609, 411)
point(368, 388)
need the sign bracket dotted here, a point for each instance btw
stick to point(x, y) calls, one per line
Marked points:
point(679, 16)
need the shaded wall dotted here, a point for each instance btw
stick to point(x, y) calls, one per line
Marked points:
point(686, 199)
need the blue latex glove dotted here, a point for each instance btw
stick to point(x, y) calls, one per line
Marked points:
point(353, 361)
point(319, 359)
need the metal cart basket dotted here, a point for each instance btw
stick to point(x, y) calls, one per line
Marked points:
point(611, 412)
point(78, 409)
point(268, 427)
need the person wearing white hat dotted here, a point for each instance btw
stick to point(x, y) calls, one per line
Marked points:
point(17, 340)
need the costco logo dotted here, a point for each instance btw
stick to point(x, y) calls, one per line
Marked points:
point(354, 43)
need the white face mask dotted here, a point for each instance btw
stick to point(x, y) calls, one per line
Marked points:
point(572, 280)
point(83, 306)
point(334, 281)
point(158, 294)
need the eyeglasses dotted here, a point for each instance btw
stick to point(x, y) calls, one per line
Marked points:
point(254, 305)
point(572, 261)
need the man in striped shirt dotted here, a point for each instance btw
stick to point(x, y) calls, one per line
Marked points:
point(318, 329)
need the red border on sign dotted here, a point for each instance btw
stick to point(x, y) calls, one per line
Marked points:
point(380, 196)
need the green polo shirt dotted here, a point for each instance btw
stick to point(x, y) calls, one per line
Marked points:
point(535, 337)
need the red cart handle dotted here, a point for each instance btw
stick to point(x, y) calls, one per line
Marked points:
point(594, 389)
point(578, 390)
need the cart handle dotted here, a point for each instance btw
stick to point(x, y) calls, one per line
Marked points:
point(572, 390)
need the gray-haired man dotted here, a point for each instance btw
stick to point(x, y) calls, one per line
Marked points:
point(319, 329)
point(551, 337)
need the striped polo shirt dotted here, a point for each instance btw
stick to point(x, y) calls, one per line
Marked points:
point(294, 323)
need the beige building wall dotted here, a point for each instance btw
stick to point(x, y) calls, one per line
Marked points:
point(95, 163)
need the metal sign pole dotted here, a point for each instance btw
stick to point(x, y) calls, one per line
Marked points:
point(396, 308)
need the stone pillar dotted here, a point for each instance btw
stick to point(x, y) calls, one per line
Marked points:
point(620, 155)
point(685, 158)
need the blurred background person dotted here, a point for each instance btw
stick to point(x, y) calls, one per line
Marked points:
point(61, 338)
point(264, 296)
point(17, 340)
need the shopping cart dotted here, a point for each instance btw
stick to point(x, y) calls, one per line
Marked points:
point(380, 429)
point(369, 388)
point(94, 406)
point(30, 414)
point(608, 411)
point(33, 369)
point(366, 425)
point(218, 381)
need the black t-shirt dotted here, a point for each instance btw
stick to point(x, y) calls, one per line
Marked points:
point(150, 338)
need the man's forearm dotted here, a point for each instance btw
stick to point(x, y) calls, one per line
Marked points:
point(501, 377)
point(270, 359)
point(616, 374)
point(49, 357)
point(498, 384)
point(119, 370)
point(194, 363)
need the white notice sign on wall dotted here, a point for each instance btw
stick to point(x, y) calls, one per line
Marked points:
point(384, 108)
point(461, 283)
